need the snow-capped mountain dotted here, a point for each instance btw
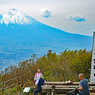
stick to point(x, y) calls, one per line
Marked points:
point(21, 36)
point(14, 16)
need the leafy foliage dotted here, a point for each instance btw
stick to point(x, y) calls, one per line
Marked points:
point(55, 67)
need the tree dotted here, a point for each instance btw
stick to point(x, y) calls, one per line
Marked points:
point(81, 64)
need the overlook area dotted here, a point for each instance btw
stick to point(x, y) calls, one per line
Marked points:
point(55, 67)
point(54, 36)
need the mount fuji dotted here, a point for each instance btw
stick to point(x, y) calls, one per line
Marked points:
point(21, 36)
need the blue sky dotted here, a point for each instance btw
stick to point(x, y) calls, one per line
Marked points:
point(74, 16)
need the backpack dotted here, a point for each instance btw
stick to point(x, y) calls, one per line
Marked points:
point(73, 92)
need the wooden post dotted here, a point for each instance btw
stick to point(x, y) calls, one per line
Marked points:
point(48, 93)
point(53, 90)
point(22, 79)
point(3, 88)
point(18, 79)
point(18, 82)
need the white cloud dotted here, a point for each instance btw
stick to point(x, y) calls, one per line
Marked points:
point(45, 12)
point(77, 17)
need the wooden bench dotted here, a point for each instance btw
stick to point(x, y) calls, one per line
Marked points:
point(52, 88)
point(64, 83)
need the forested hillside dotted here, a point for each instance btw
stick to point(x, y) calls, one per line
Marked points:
point(55, 67)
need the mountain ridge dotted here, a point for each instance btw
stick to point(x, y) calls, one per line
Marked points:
point(20, 41)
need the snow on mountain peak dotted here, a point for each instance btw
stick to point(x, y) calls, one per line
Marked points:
point(15, 16)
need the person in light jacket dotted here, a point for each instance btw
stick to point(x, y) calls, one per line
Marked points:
point(37, 75)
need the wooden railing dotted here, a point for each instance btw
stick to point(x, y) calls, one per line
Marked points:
point(5, 85)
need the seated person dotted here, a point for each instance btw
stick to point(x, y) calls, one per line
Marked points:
point(83, 85)
point(39, 83)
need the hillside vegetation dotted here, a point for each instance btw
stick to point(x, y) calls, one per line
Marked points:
point(55, 67)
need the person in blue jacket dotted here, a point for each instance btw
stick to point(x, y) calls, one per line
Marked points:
point(39, 83)
point(83, 85)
